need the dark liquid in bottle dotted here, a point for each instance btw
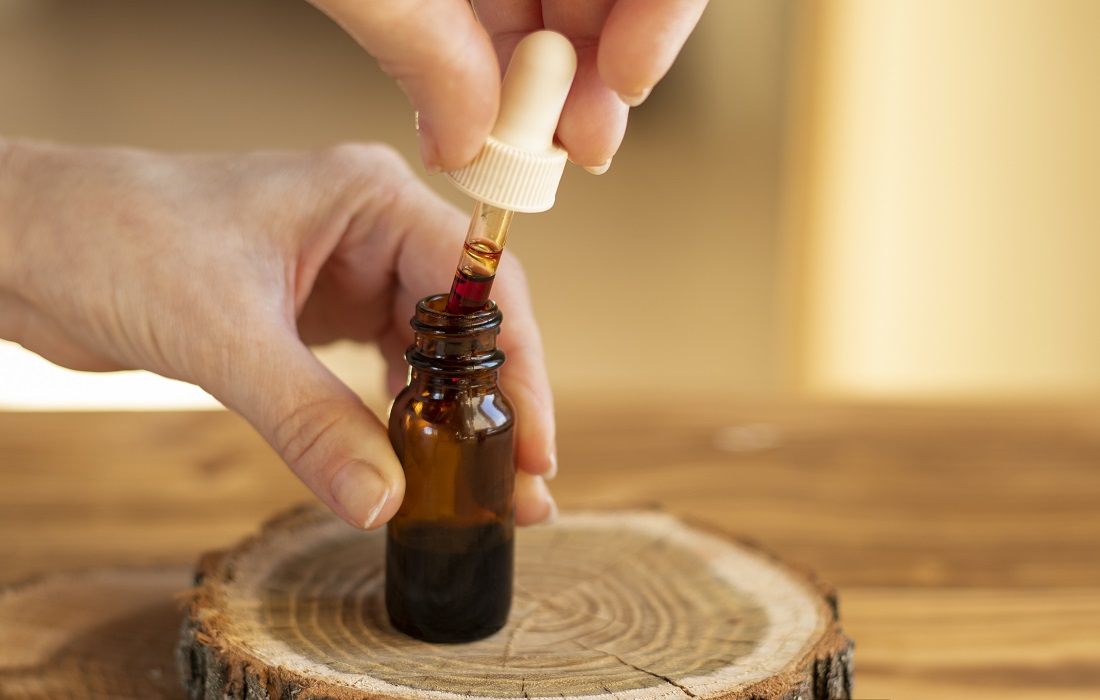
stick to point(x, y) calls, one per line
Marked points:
point(449, 584)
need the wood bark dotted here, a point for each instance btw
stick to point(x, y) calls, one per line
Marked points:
point(626, 604)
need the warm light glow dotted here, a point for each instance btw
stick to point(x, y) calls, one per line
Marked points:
point(29, 383)
point(952, 217)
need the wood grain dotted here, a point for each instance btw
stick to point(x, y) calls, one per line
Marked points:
point(608, 605)
point(92, 636)
point(914, 513)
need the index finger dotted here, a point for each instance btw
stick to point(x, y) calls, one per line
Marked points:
point(441, 58)
point(640, 41)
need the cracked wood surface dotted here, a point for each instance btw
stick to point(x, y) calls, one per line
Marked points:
point(611, 604)
point(962, 540)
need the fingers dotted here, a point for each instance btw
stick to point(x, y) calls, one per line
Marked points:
point(443, 59)
point(323, 432)
point(534, 504)
point(524, 376)
point(422, 238)
point(524, 380)
point(393, 346)
point(593, 120)
point(640, 40)
point(444, 62)
point(624, 48)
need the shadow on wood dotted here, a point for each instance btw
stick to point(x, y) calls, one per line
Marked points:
point(98, 635)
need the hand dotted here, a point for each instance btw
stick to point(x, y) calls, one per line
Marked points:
point(217, 270)
point(448, 66)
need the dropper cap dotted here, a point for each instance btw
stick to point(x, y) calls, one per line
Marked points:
point(520, 166)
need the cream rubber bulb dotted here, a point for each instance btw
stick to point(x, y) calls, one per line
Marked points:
point(520, 166)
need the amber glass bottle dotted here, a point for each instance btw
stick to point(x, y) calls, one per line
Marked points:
point(449, 548)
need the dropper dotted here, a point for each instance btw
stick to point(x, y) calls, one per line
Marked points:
point(519, 167)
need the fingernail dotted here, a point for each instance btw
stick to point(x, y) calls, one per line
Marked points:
point(599, 169)
point(544, 495)
point(635, 99)
point(361, 492)
point(553, 470)
point(429, 155)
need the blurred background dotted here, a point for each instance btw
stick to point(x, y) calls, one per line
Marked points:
point(877, 199)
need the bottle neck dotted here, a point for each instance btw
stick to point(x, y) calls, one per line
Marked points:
point(473, 383)
point(455, 346)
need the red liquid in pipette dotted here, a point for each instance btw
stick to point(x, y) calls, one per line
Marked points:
point(474, 278)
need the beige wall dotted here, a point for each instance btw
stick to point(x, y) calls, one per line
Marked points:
point(946, 199)
point(914, 215)
point(660, 276)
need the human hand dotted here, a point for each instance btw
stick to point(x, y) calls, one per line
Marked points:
point(219, 270)
point(448, 65)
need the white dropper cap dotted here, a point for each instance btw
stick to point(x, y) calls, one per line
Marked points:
point(520, 166)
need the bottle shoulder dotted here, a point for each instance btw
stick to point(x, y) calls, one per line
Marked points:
point(463, 413)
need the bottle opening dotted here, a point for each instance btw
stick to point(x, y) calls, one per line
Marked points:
point(432, 315)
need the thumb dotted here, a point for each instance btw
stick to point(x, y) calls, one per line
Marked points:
point(320, 428)
point(443, 60)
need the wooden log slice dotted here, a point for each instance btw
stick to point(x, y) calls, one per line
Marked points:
point(607, 605)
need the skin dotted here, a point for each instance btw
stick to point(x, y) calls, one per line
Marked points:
point(221, 270)
point(449, 64)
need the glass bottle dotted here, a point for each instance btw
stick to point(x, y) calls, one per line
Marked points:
point(450, 547)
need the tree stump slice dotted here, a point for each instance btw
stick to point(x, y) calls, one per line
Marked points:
point(631, 604)
point(92, 635)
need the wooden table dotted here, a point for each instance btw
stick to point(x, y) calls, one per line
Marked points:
point(965, 542)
